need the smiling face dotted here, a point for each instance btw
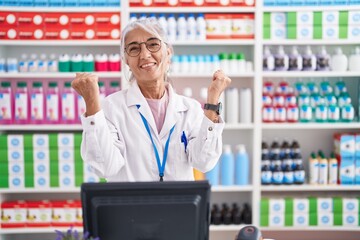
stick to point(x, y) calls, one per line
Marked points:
point(147, 66)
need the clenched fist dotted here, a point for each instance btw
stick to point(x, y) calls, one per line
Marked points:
point(217, 86)
point(86, 85)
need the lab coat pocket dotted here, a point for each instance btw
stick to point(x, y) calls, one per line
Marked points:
point(181, 161)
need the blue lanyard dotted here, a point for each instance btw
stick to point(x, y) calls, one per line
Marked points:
point(161, 167)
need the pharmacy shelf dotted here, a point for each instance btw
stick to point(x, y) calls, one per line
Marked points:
point(315, 229)
point(311, 42)
point(225, 228)
point(41, 127)
point(311, 188)
point(310, 8)
point(305, 126)
point(61, 9)
point(303, 74)
point(192, 9)
point(36, 190)
point(221, 189)
point(239, 126)
point(56, 75)
point(202, 75)
point(215, 42)
point(37, 230)
point(70, 42)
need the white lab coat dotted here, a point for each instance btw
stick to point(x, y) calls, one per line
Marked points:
point(117, 146)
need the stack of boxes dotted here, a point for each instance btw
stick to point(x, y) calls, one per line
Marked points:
point(42, 161)
point(347, 151)
point(312, 25)
point(312, 211)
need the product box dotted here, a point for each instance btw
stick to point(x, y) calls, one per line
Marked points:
point(357, 159)
point(16, 181)
point(41, 181)
point(354, 17)
point(16, 168)
point(346, 171)
point(59, 20)
point(278, 32)
point(80, 19)
point(41, 155)
point(79, 215)
point(276, 206)
point(304, 18)
point(41, 168)
point(30, 19)
point(107, 32)
point(56, 33)
point(324, 205)
point(353, 32)
point(38, 213)
point(301, 205)
point(63, 213)
point(218, 26)
point(330, 32)
point(8, 19)
point(346, 205)
point(13, 214)
point(321, 219)
point(66, 154)
point(277, 220)
point(107, 19)
point(29, 33)
point(84, 3)
point(15, 155)
point(346, 219)
point(40, 141)
point(243, 26)
point(330, 18)
point(300, 219)
point(278, 19)
point(344, 145)
point(304, 32)
point(81, 32)
point(65, 140)
point(15, 141)
point(8, 32)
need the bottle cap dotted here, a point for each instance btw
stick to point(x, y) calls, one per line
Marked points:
point(37, 19)
point(232, 56)
point(338, 51)
point(76, 57)
point(89, 20)
point(5, 84)
point(308, 50)
point(226, 148)
point(53, 84)
point(281, 50)
point(294, 51)
point(88, 57)
point(101, 84)
point(67, 84)
point(223, 56)
point(114, 84)
point(64, 19)
point(101, 57)
point(267, 51)
point(114, 57)
point(37, 84)
point(43, 56)
point(240, 56)
point(323, 50)
point(21, 84)
point(241, 148)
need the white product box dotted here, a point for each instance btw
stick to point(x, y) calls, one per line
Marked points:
point(65, 140)
point(42, 181)
point(277, 220)
point(66, 167)
point(325, 219)
point(15, 141)
point(347, 171)
point(15, 155)
point(304, 32)
point(41, 155)
point(66, 154)
point(304, 18)
point(278, 19)
point(16, 181)
point(66, 180)
point(350, 205)
point(276, 206)
point(353, 32)
point(301, 205)
point(354, 17)
point(301, 219)
point(41, 168)
point(350, 219)
point(15, 215)
point(41, 141)
point(324, 205)
point(278, 32)
point(63, 215)
point(89, 174)
point(39, 215)
point(330, 32)
point(16, 168)
point(330, 18)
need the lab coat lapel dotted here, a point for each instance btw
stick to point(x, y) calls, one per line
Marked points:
point(135, 97)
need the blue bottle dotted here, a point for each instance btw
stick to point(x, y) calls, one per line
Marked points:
point(241, 166)
point(213, 176)
point(227, 171)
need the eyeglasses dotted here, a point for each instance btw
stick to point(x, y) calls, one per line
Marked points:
point(134, 49)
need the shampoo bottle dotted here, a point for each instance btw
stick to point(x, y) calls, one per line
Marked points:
point(268, 60)
point(323, 60)
point(354, 60)
point(227, 165)
point(295, 60)
point(339, 61)
point(281, 60)
point(241, 166)
point(309, 60)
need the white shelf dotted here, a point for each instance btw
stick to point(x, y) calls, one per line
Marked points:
point(61, 9)
point(69, 42)
point(56, 75)
point(45, 190)
point(311, 188)
point(225, 228)
point(297, 74)
point(315, 229)
point(208, 75)
point(311, 42)
point(239, 126)
point(247, 188)
point(41, 127)
point(28, 230)
point(309, 8)
point(192, 9)
point(219, 42)
point(304, 126)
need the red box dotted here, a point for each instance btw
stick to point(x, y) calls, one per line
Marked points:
point(56, 19)
point(78, 19)
point(79, 215)
point(8, 32)
point(82, 32)
point(212, 3)
point(25, 32)
point(63, 213)
point(30, 19)
point(107, 32)
point(8, 19)
point(135, 3)
point(243, 26)
point(13, 214)
point(107, 19)
point(218, 26)
point(186, 3)
point(243, 3)
point(56, 33)
point(38, 213)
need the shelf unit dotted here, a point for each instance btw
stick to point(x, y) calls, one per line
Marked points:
point(250, 134)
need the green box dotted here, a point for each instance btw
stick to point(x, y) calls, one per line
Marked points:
point(313, 219)
point(264, 220)
point(343, 18)
point(343, 31)
point(28, 141)
point(266, 19)
point(3, 141)
point(291, 19)
point(337, 205)
point(264, 206)
point(267, 32)
point(338, 219)
point(312, 205)
point(291, 32)
point(317, 18)
point(53, 142)
point(317, 34)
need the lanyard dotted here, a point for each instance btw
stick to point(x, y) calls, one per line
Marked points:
point(161, 167)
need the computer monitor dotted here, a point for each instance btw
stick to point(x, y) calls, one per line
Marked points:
point(147, 210)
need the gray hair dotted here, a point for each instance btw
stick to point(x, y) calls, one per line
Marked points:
point(152, 26)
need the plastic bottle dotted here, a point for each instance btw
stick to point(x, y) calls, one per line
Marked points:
point(333, 169)
point(43, 63)
point(227, 166)
point(268, 60)
point(288, 170)
point(266, 173)
point(2, 65)
point(277, 174)
point(213, 176)
point(313, 169)
point(37, 103)
point(325, 88)
point(294, 148)
point(21, 104)
point(233, 64)
point(354, 60)
point(12, 65)
point(347, 113)
point(171, 28)
point(101, 62)
point(340, 88)
point(114, 62)
point(68, 104)
point(274, 148)
point(309, 60)
point(6, 103)
point(203, 96)
point(295, 60)
point(305, 113)
point(323, 60)
point(265, 149)
point(246, 214)
point(64, 63)
point(53, 63)
point(114, 87)
point(281, 60)
point(285, 149)
point(163, 23)
point(232, 105)
point(76, 64)
point(184, 63)
point(52, 103)
point(191, 27)
point(339, 61)
point(245, 105)
point(323, 168)
point(23, 63)
point(299, 171)
point(241, 63)
point(241, 166)
point(200, 27)
point(321, 113)
point(88, 64)
point(224, 62)
point(102, 90)
point(333, 113)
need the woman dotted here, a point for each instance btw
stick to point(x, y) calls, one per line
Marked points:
point(148, 132)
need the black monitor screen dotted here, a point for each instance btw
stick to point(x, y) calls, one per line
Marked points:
point(146, 210)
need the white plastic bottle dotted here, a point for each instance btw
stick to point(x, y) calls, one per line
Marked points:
point(281, 60)
point(133, 17)
point(295, 60)
point(323, 60)
point(268, 60)
point(232, 105)
point(245, 105)
point(43, 63)
point(171, 28)
point(163, 22)
point(200, 27)
point(241, 166)
point(203, 96)
point(191, 27)
point(23, 63)
point(53, 63)
point(309, 60)
point(181, 27)
point(12, 65)
point(339, 61)
point(354, 60)
point(33, 63)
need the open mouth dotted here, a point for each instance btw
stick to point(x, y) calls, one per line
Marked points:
point(147, 65)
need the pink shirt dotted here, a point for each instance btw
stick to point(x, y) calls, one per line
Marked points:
point(158, 109)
